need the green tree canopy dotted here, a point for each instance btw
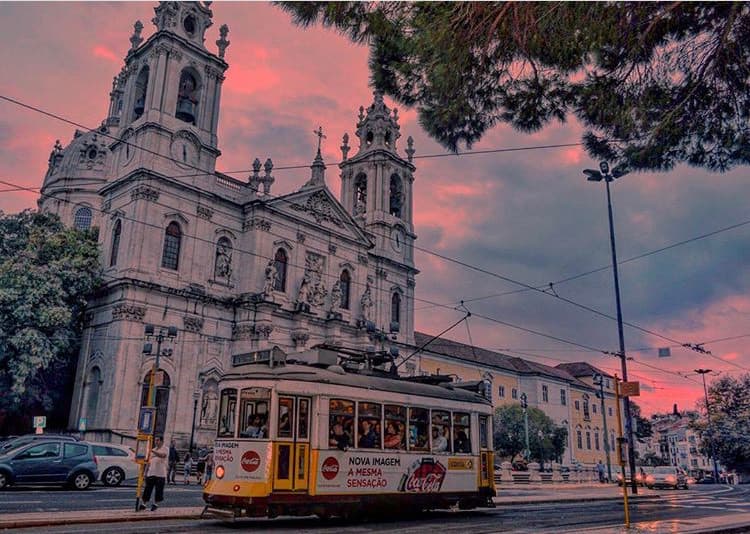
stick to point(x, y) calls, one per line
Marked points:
point(46, 273)
point(653, 83)
point(642, 426)
point(729, 398)
point(546, 440)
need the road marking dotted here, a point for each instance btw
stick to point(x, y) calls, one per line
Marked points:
point(21, 502)
point(114, 500)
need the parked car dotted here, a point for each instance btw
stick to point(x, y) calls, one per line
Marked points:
point(55, 461)
point(706, 479)
point(116, 463)
point(667, 477)
point(20, 441)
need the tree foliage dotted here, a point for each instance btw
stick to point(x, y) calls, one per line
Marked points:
point(653, 83)
point(727, 436)
point(46, 273)
point(546, 439)
point(642, 426)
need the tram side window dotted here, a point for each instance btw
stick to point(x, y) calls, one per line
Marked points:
point(441, 431)
point(395, 427)
point(418, 423)
point(286, 416)
point(484, 432)
point(461, 433)
point(340, 423)
point(368, 428)
point(254, 403)
point(227, 410)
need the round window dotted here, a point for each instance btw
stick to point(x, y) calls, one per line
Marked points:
point(92, 153)
point(189, 24)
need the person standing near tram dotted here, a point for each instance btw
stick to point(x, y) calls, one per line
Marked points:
point(156, 476)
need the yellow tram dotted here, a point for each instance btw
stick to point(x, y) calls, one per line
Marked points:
point(328, 433)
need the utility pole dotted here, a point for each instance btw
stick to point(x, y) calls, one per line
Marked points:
point(599, 381)
point(703, 373)
point(524, 405)
point(597, 176)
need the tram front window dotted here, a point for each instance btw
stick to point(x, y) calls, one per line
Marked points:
point(227, 411)
point(461, 433)
point(340, 423)
point(418, 423)
point(395, 427)
point(254, 403)
point(369, 426)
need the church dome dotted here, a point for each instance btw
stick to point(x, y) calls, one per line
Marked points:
point(87, 156)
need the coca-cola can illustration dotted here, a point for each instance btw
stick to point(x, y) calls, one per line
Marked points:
point(424, 476)
point(250, 461)
point(330, 468)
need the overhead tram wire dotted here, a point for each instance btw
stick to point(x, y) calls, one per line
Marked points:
point(205, 172)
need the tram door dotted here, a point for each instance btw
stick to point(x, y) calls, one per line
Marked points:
point(292, 447)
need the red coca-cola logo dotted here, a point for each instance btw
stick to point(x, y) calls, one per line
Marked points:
point(250, 461)
point(428, 477)
point(330, 468)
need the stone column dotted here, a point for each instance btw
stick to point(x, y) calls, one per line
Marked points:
point(556, 474)
point(506, 476)
point(534, 472)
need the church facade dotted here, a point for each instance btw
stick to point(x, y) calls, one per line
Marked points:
point(234, 268)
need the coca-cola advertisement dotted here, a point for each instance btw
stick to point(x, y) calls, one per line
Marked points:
point(424, 476)
point(250, 461)
point(330, 468)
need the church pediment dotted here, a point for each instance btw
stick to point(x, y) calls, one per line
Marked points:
point(322, 209)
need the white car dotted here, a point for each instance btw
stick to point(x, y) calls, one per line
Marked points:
point(116, 463)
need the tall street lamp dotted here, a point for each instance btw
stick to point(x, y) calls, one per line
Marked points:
point(703, 373)
point(604, 174)
point(599, 381)
point(196, 396)
point(524, 405)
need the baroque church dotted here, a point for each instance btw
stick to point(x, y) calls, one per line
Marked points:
point(236, 269)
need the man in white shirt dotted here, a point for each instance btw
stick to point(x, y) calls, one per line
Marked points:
point(156, 475)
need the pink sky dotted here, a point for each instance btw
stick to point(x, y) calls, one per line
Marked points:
point(527, 215)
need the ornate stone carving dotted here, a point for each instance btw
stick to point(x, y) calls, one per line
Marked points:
point(129, 312)
point(193, 324)
point(145, 192)
point(204, 212)
point(365, 303)
point(257, 224)
point(223, 262)
point(381, 273)
point(301, 238)
point(314, 267)
point(320, 208)
point(107, 205)
point(336, 294)
point(251, 331)
point(136, 39)
point(362, 259)
point(92, 154)
point(300, 337)
point(263, 331)
point(332, 249)
point(223, 42)
point(271, 274)
point(410, 282)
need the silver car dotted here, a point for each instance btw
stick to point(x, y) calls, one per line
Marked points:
point(667, 477)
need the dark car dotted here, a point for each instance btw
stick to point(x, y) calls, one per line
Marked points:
point(66, 463)
point(20, 441)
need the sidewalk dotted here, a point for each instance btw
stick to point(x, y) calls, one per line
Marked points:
point(731, 524)
point(43, 519)
point(550, 493)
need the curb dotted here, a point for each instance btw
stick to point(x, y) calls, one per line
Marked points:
point(578, 499)
point(115, 518)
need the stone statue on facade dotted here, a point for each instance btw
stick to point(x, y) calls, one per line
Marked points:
point(270, 282)
point(336, 294)
point(303, 296)
point(365, 303)
point(223, 267)
point(208, 408)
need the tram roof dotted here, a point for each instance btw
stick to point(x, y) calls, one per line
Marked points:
point(305, 373)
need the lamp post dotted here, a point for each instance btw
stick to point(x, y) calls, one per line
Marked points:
point(599, 381)
point(703, 373)
point(604, 174)
point(196, 396)
point(524, 405)
point(147, 432)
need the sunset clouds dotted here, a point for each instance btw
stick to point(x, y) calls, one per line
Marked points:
point(530, 215)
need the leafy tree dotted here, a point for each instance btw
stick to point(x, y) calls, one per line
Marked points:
point(653, 459)
point(546, 440)
point(642, 426)
point(653, 83)
point(46, 273)
point(729, 398)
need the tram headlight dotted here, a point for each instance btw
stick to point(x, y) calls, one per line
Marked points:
point(220, 472)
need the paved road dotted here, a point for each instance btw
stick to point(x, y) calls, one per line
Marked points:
point(98, 497)
point(689, 507)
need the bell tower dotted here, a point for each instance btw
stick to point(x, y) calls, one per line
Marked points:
point(376, 183)
point(167, 96)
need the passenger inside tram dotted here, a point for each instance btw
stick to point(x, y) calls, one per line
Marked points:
point(462, 443)
point(369, 438)
point(439, 441)
point(339, 437)
point(254, 428)
point(394, 436)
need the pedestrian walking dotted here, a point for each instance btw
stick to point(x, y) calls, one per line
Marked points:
point(173, 457)
point(600, 470)
point(156, 474)
point(209, 466)
point(187, 468)
point(200, 469)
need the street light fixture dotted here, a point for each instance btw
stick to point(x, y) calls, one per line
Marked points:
point(524, 405)
point(604, 174)
point(196, 397)
point(703, 373)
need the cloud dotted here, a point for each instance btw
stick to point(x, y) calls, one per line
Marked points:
point(105, 53)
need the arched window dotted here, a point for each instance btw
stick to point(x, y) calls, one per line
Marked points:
point(223, 261)
point(93, 386)
point(116, 231)
point(161, 399)
point(360, 194)
point(82, 218)
point(346, 284)
point(141, 86)
point(396, 196)
point(396, 308)
point(280, 262)
point(187, 97)
point(172, 238)
point(586, 414)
